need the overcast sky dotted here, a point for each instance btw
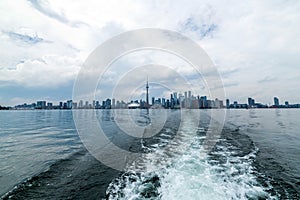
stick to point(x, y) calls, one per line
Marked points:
point(255, 45)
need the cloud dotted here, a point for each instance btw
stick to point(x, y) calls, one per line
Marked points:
point(203, 30)
point(252, 43)
point(267, 79)
point(24, 38)
point(47, 72)
point(45, 8)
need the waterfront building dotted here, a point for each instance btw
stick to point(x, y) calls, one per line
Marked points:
point(41, 104)
point(49, 105)
point(276, 101)
point(227, 103)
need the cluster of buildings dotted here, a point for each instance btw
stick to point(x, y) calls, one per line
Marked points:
point(176, 100)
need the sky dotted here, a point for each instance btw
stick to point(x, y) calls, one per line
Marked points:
point(254, 45)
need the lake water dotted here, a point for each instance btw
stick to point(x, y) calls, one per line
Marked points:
point(256, 156)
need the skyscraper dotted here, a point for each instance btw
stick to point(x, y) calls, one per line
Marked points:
point(276, 101)
point(227, 103)
point(249, 102)
point(113, 103)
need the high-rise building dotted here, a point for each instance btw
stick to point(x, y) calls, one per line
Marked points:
point(227, 103)
point(250, 102)
point(218, 103)
point(108, 104)
point(276, 101)
point(49, 105)
point(113, 103)
point(80, 104)
point(147, 95)
point(69, 104)
point(41, 104)
point(203, 102)
point(74, 105)
point(163, 102)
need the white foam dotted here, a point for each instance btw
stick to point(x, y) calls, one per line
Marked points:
point(185, 171)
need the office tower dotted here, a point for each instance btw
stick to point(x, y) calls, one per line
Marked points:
point(49, 105)
point(113, 103)
point(80, 104)
point(74, 105)
point(86, 104)
point(97, 105)
point(108, 104)
point(159, 101)
point(276, 101)
point(235, 104)
point(163, 102)
point(204, 103)
point(227, 103)
point(175, 97)
point(153, 100)
point(69, 104)
point(218, 103)
point(41, 104)
point(250, 102)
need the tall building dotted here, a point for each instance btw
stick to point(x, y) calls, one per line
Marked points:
point(74, 105)
point(108, 104)
point(147, 94)
point(250, 102)
point(163, 102)
point(49, 105)
point(185, 99)
point(113, 103)
point(80, 104)
point(227, 103)
point(276, 101)
point(190, 94)
point(41, 104)
point(69, 104)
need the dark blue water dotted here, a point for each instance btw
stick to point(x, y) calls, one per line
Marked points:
point(255, 157)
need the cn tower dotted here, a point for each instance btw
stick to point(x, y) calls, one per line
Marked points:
point(147, 94)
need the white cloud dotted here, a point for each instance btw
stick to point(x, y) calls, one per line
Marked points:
point(47, 72)
point(249, 41)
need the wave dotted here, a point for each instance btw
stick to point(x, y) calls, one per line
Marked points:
point(185, 170)
point(76, 177)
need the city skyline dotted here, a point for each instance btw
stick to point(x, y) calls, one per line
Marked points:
point(176, 100)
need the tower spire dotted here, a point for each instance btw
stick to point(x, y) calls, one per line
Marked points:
point(147, 94)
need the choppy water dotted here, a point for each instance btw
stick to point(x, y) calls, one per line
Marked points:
point(256, 157)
